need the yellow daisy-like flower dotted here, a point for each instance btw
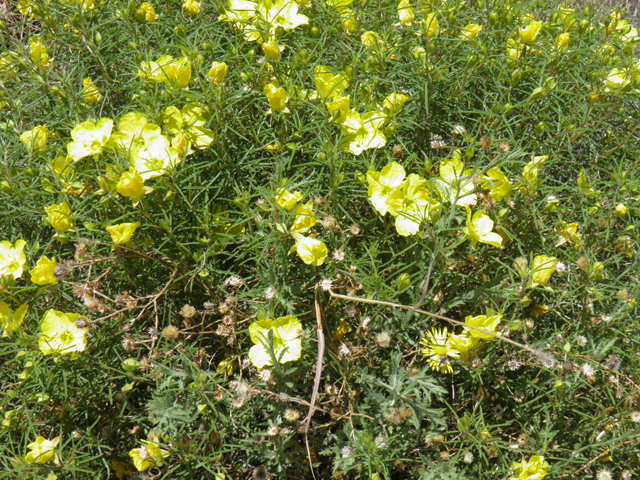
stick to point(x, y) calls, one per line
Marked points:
point(123, 232)
point(10, 320)
point(12, 259)
point(279, 338)
point(487, 322)
point(535, 468)
point(60, 334)
point(36, 139)
point(43, 450)
point(59, 216)
point(90, 93)
point(43, 272)
point(438, 350)
point(190, 123)
point(149, 455)
point(479, 229)
point(362, 132)
point(543, 268)
point(89, 138)
point(311, 251)
point(217, 73)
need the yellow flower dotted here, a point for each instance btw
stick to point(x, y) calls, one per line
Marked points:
point(28, 8)
point(405, 12)
point(563, 40)
point(36, 139)
point(488, 322)
point(439, 350)
point(60, 335)
point(382, 184)
point(362, 132)
point(531, 172)
point(10, 321)
point(43, 272)
point(497, 183)
point(617, 80)
point(90, 93)
point(155, 157)
point(279, 338)
point(528, 35)
point(287, 200)
point(281, 14)
point(303, 220)
point(514, 48)
point(190, 123)
point(135, 133)
point(241, 13)
point(456, 184)
point(432, 25)
point(329, 85)
point(411, 204)
point(131, 185)
point(471, 31)
point(277, 97)
point(123, 232)
point(146, 13)
point(569, 232)
point(621, 210)
point(311, 251)
point(43, 450)
point(217, 72)
point(543, 268)
point(271, 49)
point(393, 103)
point(225, 367)
point(535, 468)
point(191, 6)
point(342, 329)
point(59, 216)
point(9, 64)
point(463, 343)
point(38, 52)
point(167, 70)
point(479, 228)
point(89, 138)
point(149, 455)
point(12, 259)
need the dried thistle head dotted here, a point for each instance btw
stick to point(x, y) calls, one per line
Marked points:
point(170, 333)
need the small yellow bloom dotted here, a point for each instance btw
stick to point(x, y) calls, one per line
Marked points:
point(131, 185)
point(191, 6)
point(59, 216)
point(463, 343)
point(439, 350)
point(43, 450)
point(146, 13)
point(329, 85)
point(569, 233)
point(167, 70)
point(563, 40)
point(43, 272)
point(36, 139)
point(488, 322)
point(456, 182)
point(89, 138)
point(60, 334)
point(617, 81)
point(529, 34)
point(304, 219)
point(342, 330)
point(149, 455)
point(535, 468)
point(621, 210)
point(363, 132)
point(405, 12)
point(123, 232)
point(311, 251)
point(393, 103)
point(271, 49)
point(10, 320)
point(479, 229)
point(90, 93)
point(531, 172)
point(12, 259)
point(432, 25)
point(383, 184)
point(277, 97)
point(411, 203)
point(543, 268)
point(497, 183)
point(280, 337)
point(286, 199)
point(190, 123)
point(217, 73)
point(514, 48)
point(38, 52)
point(471, 31)
point(225, 367)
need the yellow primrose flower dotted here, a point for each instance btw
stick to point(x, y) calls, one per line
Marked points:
point(303, 220)
point(514, 48)
point(411, 204)
point(563, 40)
point(225, 367)
point(277, 97)
point(149, 455)
point(280, 337)
point(432, 25)
point(479, 228)
point(38, 52)
point(36, 139)
point(621, 210)
point(217, 72)
point(529, 34)
point(329, 85)
point(566, 17)
point(155, 157)
point(167, 70)
point(311, 251)
point(146, 13)
point(372, 40)
point(531, 172)
point(382, 184)
point(84, 4)
point(393, 103)
point(10, 320)
point(131, 185)
point(271, 49)
point(134, 133)
point(535, 468)
point(191, 6)
point(90, 93)
point(569, 233)
point(241, 13)
point(190, 123)
point(438, 350)
point(497, 183)
point(616, 81)
point(89, 138)
point(456, 184)
point(339, 108)
point(27, 8)
point(342, 329)
point(9, 64)
point(123, 232)
point(488, 322)
point(543, 268)
point(471, 31)
point(463, 343)
point(405, 12)
point(362, 132)
point(286, 199)
point(43, 272)
point(59, 216)
point(281, 14)
point(12, 259)
point(43, 450)
point(60, 334)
